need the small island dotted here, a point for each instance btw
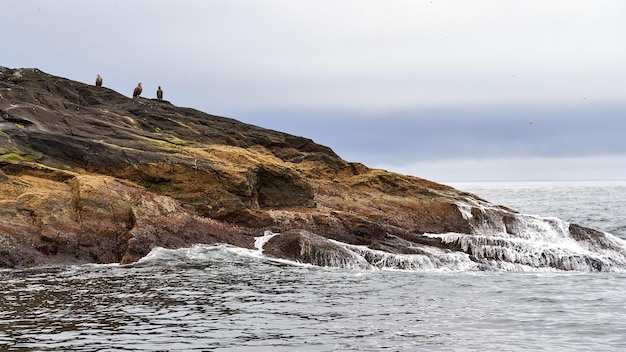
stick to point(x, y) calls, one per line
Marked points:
point(88, 175)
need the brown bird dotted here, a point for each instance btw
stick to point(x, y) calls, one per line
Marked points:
point(160, 93)
point(99, 81)
point(137, 91)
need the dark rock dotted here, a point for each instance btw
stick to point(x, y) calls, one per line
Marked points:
point(306, 247)
point(3, 177)
point(282, 187)
point(592, 238)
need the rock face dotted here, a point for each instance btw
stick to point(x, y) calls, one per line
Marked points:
point(307, 247)
point(90, 175)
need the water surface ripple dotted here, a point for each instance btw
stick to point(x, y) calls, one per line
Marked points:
point(253, 305)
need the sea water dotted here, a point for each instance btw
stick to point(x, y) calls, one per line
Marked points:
point(222, 298)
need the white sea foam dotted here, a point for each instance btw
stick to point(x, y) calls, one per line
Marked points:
point(466, 210)
point(196, 253)
point(259, 242)
point(434, 259)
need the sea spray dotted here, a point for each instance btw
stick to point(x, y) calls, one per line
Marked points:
point(433, 259)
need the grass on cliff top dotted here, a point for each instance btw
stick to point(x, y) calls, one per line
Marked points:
point(175, 140)
point(168, 144)
point(247, 157)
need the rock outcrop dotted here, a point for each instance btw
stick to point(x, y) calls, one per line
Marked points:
point(90, 175)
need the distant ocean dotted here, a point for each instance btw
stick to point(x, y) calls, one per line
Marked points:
point(222, 298)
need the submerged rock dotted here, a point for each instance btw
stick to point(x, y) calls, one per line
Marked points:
point(90, 175)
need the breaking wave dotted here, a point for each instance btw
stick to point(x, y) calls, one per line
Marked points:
point(501, 240)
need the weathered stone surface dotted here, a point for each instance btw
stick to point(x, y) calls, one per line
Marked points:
point(69, 217)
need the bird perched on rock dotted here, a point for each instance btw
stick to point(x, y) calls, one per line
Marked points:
point(99, 81)
point(137, 91)
point(160, 93)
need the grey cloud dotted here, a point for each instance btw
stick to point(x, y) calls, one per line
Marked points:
point(455, 133)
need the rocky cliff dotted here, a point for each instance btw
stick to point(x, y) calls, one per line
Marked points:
point(90, 175)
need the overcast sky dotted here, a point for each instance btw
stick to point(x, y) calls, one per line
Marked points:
point(445, 90)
